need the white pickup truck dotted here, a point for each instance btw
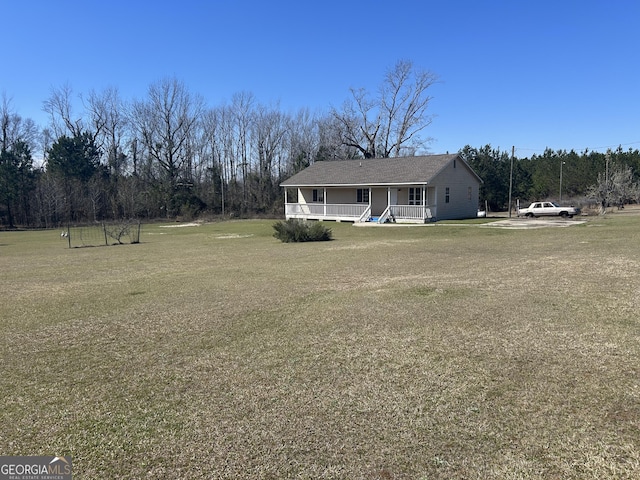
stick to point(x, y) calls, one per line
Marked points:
point(539, 209)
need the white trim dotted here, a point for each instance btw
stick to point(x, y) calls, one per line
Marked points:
point(354, 185)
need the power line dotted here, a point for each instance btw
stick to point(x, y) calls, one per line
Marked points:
point(616, 146)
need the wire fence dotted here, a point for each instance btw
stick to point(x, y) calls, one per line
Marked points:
point(103, 234)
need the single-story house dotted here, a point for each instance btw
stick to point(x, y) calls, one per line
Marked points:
point(407, 189)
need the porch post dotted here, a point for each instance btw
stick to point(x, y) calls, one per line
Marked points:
point(324, 201)
point(424, 202)
point(285, 202)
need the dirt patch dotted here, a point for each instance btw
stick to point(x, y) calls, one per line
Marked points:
point(233, 235)
point(526, 223)
point(192, 224)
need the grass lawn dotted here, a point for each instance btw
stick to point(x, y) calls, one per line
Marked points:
point(215, 351)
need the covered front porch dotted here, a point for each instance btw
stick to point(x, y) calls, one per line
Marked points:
point(399, 204)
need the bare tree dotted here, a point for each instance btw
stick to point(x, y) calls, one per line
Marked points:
point(269, 130)
point(97, 111)
point(108, 116)
point(390, 123)
point(331, 145)
point(615, 187)
point(5, 122)
point(242, 111)
point(208, 170)
point(164, 123)
point(63, 120)
point(49, 201)
point(304, 141)
point(14, 128)
point(623, 186)
point(46, 140)
point(359, 123)
point(404, 102)
point(227, 151)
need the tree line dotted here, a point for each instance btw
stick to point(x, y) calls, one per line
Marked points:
point(169, 155)
point(584, 178)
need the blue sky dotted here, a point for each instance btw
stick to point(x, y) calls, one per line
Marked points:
point(561, 74)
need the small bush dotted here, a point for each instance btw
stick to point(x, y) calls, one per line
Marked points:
point(294, 230)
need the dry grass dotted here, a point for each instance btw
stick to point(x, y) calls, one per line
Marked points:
point(219, 352)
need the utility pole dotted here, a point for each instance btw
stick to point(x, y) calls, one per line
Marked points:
point(561, 164)
point(606, 183)
point(513, 152)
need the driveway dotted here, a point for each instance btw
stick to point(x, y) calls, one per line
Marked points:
point(524, 223)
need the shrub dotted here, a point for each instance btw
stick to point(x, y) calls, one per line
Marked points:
point(294, 230)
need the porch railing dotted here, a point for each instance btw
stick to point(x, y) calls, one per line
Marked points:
point(328, 210)
point(410, 212)
point(357, 212)
point(365, 215)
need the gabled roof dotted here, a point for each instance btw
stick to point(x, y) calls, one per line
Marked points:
point(375, 171)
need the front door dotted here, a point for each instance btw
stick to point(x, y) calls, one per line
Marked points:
point(378, 201)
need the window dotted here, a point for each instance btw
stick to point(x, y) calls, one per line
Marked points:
point(415, 196)
point(446, 195)
point(362, 195)
point(318, 195)
point(469, 190)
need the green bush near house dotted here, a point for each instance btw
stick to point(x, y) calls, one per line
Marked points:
point(294, 230)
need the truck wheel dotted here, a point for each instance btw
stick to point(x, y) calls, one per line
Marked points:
point(564, 214)
point(529, 215)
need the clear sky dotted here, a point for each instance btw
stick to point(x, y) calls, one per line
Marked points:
point(562, 74)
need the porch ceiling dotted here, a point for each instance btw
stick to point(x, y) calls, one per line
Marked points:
point(359, 185)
